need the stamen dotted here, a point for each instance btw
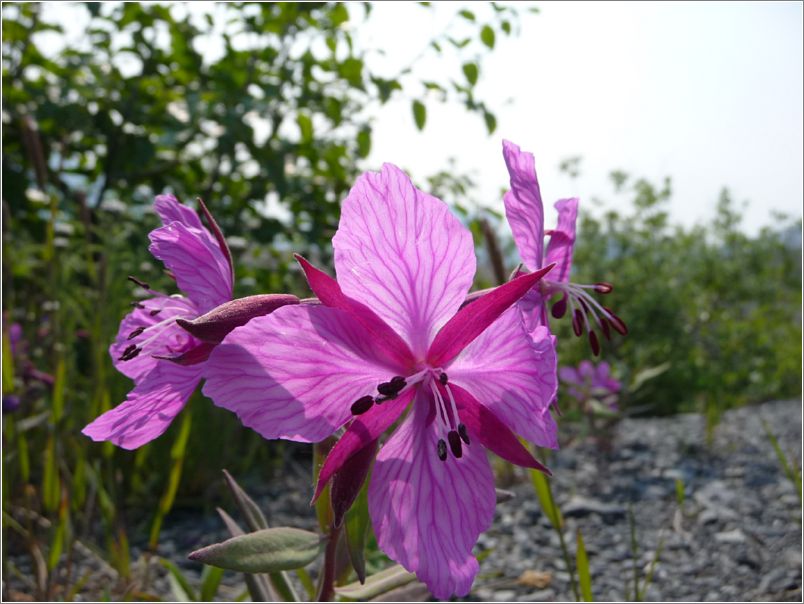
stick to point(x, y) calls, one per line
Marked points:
point(393, 388)
point(443, 379)
point(594, 343)
point(604, 326)
point(463, 433)
point(455, 444)
point(155, 312)
point(577, 318)
point(130, 352)
point(442, 450)
point(560, 308)
point(136, 332)
point(616, 322)
point(363, 404)
point(603, 287)
point(139, 282)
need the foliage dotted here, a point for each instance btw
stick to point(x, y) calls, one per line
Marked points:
point(263, 109)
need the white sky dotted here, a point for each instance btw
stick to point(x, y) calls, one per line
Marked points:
point(707, 93)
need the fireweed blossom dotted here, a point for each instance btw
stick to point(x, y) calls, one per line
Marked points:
point(153, 346)
point(388, 336)
point(589, 382)
point(525, 213)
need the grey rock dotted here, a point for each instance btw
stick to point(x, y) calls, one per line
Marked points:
point(578, 507)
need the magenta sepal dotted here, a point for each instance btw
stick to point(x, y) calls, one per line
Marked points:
point(218, 322)
point(349, 479)
point(197, 354)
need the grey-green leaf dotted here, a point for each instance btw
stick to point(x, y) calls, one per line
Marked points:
point(376, 585)
point(419, 114)
point(268, 550)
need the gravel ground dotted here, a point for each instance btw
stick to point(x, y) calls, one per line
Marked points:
point(737, 536)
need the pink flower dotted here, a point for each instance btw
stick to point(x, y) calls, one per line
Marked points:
point(389, 336)
point(587, 382)
point(165, 361)
point(525, 214)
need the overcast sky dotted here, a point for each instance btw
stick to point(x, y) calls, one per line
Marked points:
point(707, 93)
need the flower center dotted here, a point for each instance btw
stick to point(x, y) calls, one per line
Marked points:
point(444, 411)
point(587, 313)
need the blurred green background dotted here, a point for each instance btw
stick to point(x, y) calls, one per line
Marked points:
point(93, 132)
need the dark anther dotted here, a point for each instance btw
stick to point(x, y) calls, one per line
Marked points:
point(616, 322)
point(130, 352)
point(455, 444)
point(443, 379)
point(136, 332)
point(584, 305)
point(560, 308)
point(139, 305)
point(392, 388)
point(604, 326)
point(594, 343)
point(362, 405)
point(463, 433)
point(603, 287)
point(142, 284)
point(442, 450)
point(155, 312)
point(577, 322)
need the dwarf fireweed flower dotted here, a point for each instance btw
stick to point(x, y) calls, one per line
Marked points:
point(164, 342)
point(525, 214)
point(588, 382)
point(389, 336)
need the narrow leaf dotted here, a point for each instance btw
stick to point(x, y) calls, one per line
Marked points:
point(255, 520)
point(267, 550)
point(542, 486)
point(180, 586)
point(378, 584)
point(582, 564)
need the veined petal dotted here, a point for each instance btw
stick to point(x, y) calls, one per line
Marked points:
point(470, 321)
point(562, 239)
point(392, 348)
point(200, 267)
point(491, 432)
point(428, 513)
point(362, 431)
point(160, 334)
point(171, 210)
point(513, 374)
point(523, 205)
point(404, 254)
point(295, 373)
point(149, 408)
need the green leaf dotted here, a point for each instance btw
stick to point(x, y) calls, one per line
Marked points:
point(356, 531)
point(582, 564)
point(179, 585)
point(542, 486)
point(255, 520)
point(364, 142)
point(8, 365)
point(471, 71)
point(491, 121)
point(339, 14)
point(467, 14)
point(378, 584)
point(487, 36)
point(419, 114)
point(210, 580)
point(265, 551)
point(305, 127)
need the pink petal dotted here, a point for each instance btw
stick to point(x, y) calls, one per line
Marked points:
point(295, 373)
point(363, 430)
point(562, 239)
point(156, 339)
point(428, 513)
point(171, 210)
point(470, 321)
point(404, 254)
point(487, 429)
point(201, 270)
point(393, 350)
point(514, 375)
point(149, 408)
point(523, 205)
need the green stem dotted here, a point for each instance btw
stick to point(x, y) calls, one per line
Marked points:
point(568, 563)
